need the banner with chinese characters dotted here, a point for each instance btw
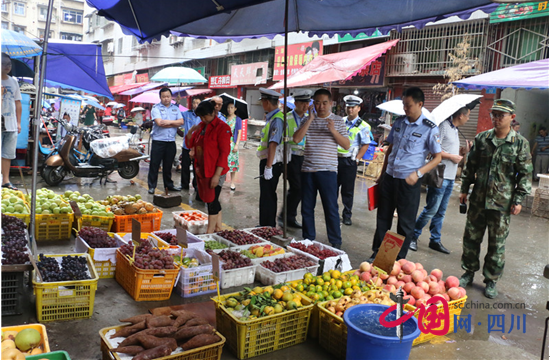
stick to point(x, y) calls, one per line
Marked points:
point(512, 12)
point(141, 78)
point(248, 74)
point(372, 75)
point(298, 56)
point(220, 82)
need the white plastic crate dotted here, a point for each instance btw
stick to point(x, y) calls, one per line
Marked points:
point(340, 262)
point(193, 241)
point(216, 238)
point(197, 280)
point(260, 240)
point(262, 259)
point(237, 277)
point(249, 230)
point(544, 180)
point(268, 277)
point(194, 227)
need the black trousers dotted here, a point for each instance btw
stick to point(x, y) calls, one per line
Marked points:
point(215, 207)
point(294, 194)
point(268, 195)
point(185, 172)
point(347, 173)
point(396, 193)
point(161, 152)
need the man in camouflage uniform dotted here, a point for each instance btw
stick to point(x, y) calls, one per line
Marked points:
point(499, 165)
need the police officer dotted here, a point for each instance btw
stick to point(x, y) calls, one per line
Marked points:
point(411, 138)
point(302, 98)
point(499, 165)
point(360, 139)
point(166, 120)
point(270, 153)
point(190, 119)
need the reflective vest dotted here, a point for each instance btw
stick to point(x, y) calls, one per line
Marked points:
point(352, 133)
point(262, 150)
point(297, 149)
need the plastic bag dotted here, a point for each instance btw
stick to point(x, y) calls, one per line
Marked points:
point(109, 147)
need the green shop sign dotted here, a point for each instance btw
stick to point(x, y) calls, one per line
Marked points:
point(512, 12)
point(360, 36)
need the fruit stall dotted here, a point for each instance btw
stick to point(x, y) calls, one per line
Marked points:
point(265, 296)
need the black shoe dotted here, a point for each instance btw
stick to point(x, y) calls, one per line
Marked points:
point(151, 191)
point(439, 247)
point(371, 259)
point(347, 221)
point(336, 246)
point(174, 188)
point(294, 224)
point(413, 245)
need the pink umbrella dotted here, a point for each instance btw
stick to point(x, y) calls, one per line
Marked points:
point(152, 96)
point(336, 67)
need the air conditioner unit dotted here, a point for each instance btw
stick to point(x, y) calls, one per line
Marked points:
point(404, 64)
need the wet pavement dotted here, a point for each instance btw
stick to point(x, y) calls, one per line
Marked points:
point(522, 284)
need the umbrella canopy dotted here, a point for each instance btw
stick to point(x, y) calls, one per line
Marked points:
point(179, 75)
point(241, 105)
point(289, 102)
point(88, 100)
point(117, 106)
point(139, 108)
point(76, 65)
point(337, 66)
point(112, 103)
point(144, 88)
point(452, 105)
point(396, 107)
point(533, 75)
point(239, 19)
point(17, 45)
point(20, 69)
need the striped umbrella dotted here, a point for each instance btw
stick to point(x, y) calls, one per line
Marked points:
point(17, 45)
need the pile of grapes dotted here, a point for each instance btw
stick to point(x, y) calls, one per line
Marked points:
point(72, 268)
point(14, 241)
point(266, 232)
point(238, 237)
point(214, 245)
point(169, 238)
point(233, 260)
point(97, 238)
point(147, 257)
point(288, 264)
point(314, 250)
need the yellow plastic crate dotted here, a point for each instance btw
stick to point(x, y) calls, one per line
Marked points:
point(44, 344)
point(104, 269)
point(260, 336)
point(332, 332)
point(209, 352)
point(26, 218)
point(66, 300)
point(54, 226)
point(101, 222)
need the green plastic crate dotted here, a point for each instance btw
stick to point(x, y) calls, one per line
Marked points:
point(56, 355)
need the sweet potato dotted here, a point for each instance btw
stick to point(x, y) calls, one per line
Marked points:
point(196, 321)
point(188, 332)
point(164, 331)
point(183, 318)
point(129, 350)
point(136, 319)
point(176, 313)
point(200, 341)
point(154, 353)
point(129, 330)
point(150, 342)
point(159, 321)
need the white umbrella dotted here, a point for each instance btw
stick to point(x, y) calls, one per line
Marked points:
point(139, 108)
point(117, 106)
point(112, 103)
point(396, 107)
point(452, 105)
point(179, 75)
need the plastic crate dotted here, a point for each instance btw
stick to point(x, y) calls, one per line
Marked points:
point(257, 238)
point(268, 277)
point(102, 222)
point(197, 280)
point(26, 218)
point(158, 242)
point(149, 222)
point(455, 308)
point(249, 230)
point(332, 332)
point(193, 241)
point(340, 262)
point(543, 181)
point(194, 227)
point(209, 352)
point(105, 268)
point(13, 288)
point(54, 226)
point(56, 355)
point(145, 285)
point(44, 344)
point(66, 300)
point(237, 277)
point(247, 339)
point(258, 261)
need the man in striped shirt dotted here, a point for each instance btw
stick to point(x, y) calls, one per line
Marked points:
point(324, 132)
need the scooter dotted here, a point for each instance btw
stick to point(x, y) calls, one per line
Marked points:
point(70, 160)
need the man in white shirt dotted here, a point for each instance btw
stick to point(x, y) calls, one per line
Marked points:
point(11, 119)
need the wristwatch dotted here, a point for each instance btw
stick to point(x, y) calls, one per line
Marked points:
point(418, 173)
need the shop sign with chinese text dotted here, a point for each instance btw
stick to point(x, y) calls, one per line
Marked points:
point(371, 75)
point(298, 56)
point(521, 11)
point(247, 74)
point(220, 82)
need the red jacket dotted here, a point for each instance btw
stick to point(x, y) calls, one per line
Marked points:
point(217, 145)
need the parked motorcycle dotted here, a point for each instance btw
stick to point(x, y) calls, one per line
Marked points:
point(90, 164)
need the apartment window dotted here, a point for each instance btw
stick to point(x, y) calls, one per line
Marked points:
point(72, 16)
point(5, 25)
point(19, 8)
point(19, 29)
point(134, 42)
point(119, 50)
point(4, 7)
point(69, 36)
point(41, 34)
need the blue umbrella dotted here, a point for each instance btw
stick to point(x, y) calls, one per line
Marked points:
point(179, 75)
point(17, 45)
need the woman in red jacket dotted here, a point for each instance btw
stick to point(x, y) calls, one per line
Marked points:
point(210, 140)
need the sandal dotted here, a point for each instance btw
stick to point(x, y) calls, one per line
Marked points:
point(10, 186)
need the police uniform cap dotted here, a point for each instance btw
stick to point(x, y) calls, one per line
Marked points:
point(301, 94)
point(352, 100)
point(269, 94)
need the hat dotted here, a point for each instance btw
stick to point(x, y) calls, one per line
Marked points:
point(352, 100)
point(269, 94)
point(301, 94)
point(504, 105)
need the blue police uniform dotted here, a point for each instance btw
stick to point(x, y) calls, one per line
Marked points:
point(411, 144)
point(163, 145)
point(222, 117)
point(190, 119)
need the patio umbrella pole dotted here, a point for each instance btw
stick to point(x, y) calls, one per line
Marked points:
point(37, 107)
point(285, 144)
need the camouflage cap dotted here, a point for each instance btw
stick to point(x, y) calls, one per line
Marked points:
point(504, 105)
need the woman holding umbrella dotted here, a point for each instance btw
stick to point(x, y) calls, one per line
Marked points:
point(236, 125)
point(210, 141)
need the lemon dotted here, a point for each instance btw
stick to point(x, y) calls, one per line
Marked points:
point(336, 274)
point(348, 291)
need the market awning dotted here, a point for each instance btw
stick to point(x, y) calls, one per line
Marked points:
point(141, 89)
point(533, 75)
point(196, 92)
point(336, 67)
point(120, 88)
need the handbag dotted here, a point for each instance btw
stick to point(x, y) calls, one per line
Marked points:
point(434, 177)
